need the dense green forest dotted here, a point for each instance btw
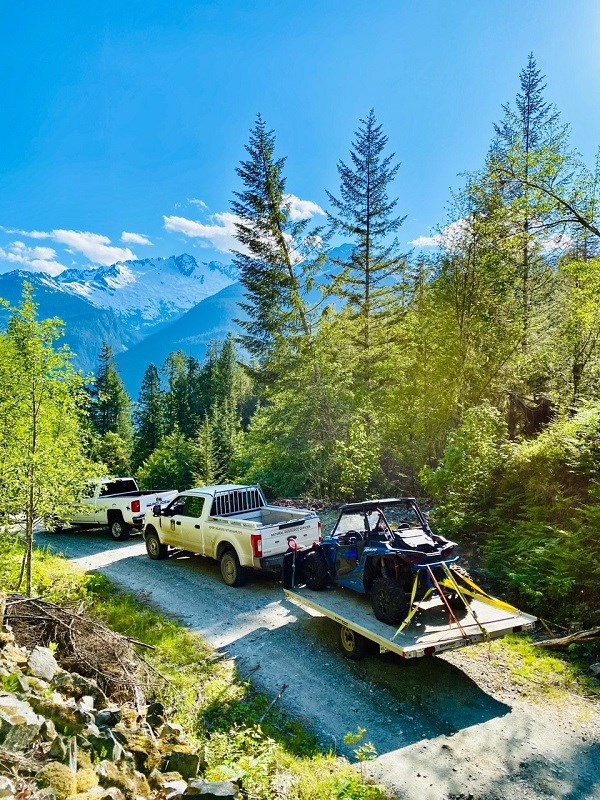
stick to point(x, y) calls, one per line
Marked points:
point(470, 376)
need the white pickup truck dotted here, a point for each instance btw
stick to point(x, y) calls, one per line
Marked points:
point(232, 524)
point(118, 503)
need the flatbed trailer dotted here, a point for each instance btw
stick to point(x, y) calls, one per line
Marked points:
point(429, 632)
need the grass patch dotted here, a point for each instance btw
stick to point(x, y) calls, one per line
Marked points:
point(268, 752)
point(538, 671)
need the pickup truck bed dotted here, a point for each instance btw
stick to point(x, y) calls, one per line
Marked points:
point(430, 631)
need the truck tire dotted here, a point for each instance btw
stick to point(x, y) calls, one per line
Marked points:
point(314, 571)
point(352, 644)
point(389, 601)
point(119, 529)
point(154, 547)
point(231, 570)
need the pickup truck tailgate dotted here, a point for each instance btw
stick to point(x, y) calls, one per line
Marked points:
point(275, 537)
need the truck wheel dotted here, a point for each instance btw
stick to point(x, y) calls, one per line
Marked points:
point(154, 547)
point(232, 571)
point(119, 529)
point(352, 644)
point(314, 571)
point(389, 600)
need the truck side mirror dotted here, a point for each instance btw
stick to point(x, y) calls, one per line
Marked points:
point(156, 509)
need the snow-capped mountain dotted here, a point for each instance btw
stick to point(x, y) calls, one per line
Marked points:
point(147, 292)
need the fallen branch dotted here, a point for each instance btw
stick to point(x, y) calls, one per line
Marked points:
point(591, 635)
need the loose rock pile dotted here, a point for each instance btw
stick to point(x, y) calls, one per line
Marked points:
point(61, 738)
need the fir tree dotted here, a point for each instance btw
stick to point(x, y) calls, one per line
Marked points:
point(364, 215)
point(530, 146)
point(149, 416)
point(273, 264)
point(110, 405)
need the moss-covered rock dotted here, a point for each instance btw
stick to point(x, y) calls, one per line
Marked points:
point(58, 777)
point(86, 779)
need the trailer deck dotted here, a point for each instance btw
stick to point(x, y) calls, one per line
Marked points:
point(429, 632)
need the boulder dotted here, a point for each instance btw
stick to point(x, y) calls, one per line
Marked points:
point(19, 724)
point(595, 669)
point(108, 717)
point(110, 776)
point(12, 654)
point(215, 790)
point(58, 777)
point(42, 664)
point(174, 789)
point(184, 760)
point(105, 746)
point(155, 715)
point(86, 779)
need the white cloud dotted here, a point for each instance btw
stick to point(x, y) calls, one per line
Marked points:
point(302, 209)
point(427, 241)
point(134, 238)
point(94, 246)
point(220, 234)
point(193, 201)
point(32, 259)
point(451, 238)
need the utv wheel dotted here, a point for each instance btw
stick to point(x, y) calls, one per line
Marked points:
point(154, 547)
point(352, 644)
point(231, 570)
point(389, 601)
point(119, 530)
point(315, 571)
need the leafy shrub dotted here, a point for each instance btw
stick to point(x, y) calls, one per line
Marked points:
point(464, 483)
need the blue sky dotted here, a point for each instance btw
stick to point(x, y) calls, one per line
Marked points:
point(117, 114)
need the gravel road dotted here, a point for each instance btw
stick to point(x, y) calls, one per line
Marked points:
point(445, 728)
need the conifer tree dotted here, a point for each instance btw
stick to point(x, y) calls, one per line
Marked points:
point(273, 264)
point(364, 214)
point(110, 415)
point(530, 145)
point(110, 405)
point(149, 416)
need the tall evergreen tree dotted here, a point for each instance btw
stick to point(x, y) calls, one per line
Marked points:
point(364, 214)
point(149, 416)
point(274, 263)
point(530, 145)
point(110, 415)
point(110, 405)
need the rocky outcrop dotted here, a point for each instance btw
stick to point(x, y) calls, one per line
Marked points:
point(62, 739)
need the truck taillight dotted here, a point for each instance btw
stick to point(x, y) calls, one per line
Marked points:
point(320, 524)
point(256, 542)
point(135, 505)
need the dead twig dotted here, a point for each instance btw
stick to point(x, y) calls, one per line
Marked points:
point(590, 635)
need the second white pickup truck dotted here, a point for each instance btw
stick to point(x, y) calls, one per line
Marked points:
point(232, 524)
point(118, 503)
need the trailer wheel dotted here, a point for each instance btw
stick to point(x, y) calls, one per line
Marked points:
point(352, 644)
point(231, 570)
point(155, 548)
point(389, 602)
point(314, 571)
point(119, 529)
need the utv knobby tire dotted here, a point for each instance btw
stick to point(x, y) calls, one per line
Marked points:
point(314, 571)
point(231, 570)
point(389, 601)
point(454, 600)
point(119, 529)
point(155, 548)
point(352, 644)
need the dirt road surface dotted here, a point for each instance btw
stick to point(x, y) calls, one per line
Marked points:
point(445, 728)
